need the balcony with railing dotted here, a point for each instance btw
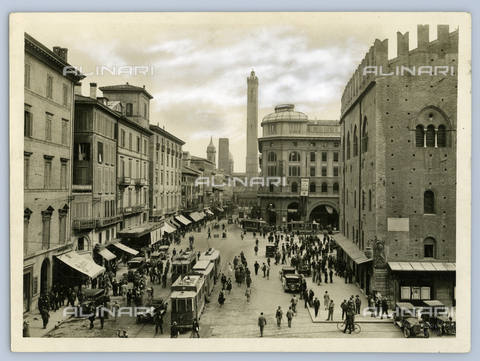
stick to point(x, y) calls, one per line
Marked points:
point(138, 208)
point(126, 210)
point(141, 182)
point(124, 182)
point(105, 221)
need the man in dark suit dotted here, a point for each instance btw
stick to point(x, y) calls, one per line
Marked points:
point(316, 305)
point(262, 322)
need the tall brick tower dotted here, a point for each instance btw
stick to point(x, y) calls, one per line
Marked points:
point(252, 126)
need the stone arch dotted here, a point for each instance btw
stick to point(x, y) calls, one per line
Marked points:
point(45, 275)
point(319, 213)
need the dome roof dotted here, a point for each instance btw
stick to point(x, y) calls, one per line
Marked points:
point(230, 156)
point(285, 112)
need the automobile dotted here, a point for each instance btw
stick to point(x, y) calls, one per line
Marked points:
point(291, 280)
point(436, 314)
point(405, 317)
point(91, 299)
point(304, 270)
point(134, 265)
point(270, 250)
point(152, 305)
point(164, 253)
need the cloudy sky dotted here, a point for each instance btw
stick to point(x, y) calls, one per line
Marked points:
point(201, 61)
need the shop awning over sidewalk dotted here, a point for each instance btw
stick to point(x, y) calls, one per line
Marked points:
point(125, 248)
point(139, 231)
point(209, 212)
point(351, 249)
point(81, 264)
point(168, 228)
point(105, 253)
point(422, 266)
point(195, 216)
point(183, 220)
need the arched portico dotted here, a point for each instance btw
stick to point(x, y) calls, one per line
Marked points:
point(325, 214)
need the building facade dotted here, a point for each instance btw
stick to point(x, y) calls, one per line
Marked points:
point(299, 150)
point(94, 205)
point(165, 174)
point(399, 172)
point(132, 161)
point(48, 133)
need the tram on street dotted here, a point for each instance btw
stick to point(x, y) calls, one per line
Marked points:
point(182, 264)
point(253, 225)
point(188, 300)
point(206, 269)
point(212, 255)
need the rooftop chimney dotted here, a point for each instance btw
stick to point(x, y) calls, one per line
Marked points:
point(61, 52)
point(78, 88)
point(93, 90)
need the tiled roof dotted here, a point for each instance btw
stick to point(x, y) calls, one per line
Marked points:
point(124, 87)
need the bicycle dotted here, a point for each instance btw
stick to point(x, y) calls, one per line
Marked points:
point(356, 327)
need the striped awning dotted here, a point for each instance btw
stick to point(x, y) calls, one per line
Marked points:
point(422, 266)
point(351, 249)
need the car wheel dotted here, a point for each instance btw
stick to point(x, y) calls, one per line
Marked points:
point(406, 332)
point(293, 288)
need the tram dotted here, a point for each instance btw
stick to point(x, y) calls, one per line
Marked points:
point(253, 225)
point(207, 269)
point(182, 264)
point(187, 299)
point(212, 255)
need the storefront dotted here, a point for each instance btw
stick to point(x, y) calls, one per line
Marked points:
point(140, 237)
point(73, 268)
point(416, 282)
point(358, 262)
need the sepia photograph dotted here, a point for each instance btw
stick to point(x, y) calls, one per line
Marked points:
point(251, 177)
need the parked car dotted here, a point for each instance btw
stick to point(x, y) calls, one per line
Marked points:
point(291, 280)
point(405, 316)
point(153, 305)
point(134, 265)
point(436, 314)
point(304, 270)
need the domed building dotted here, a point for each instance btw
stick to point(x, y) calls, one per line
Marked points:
point(300, 152)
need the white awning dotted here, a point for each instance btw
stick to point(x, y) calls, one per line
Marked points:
point(422, 266)
point(351, 249)
point(168, 228)
point(105, 253)
point(183, 220)
point(195, 216)
point(81, 264)
point(209, 212)
point(125, 248)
